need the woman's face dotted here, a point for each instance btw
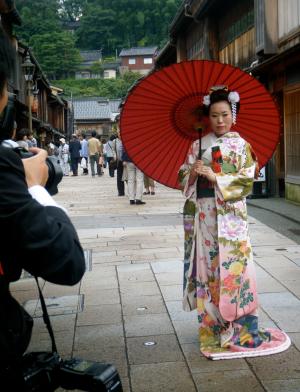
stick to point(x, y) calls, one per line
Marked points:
point(220, 117)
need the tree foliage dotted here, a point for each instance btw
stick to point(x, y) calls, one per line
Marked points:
point(110, 88)
point(109, 25)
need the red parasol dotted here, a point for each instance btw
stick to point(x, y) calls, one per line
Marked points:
point(161, 115)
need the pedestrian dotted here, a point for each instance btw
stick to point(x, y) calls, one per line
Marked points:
point(135, 180)
point(118, 149)
point(149, 186)
point(31, 140)
point(94, 153)
point(74, 150)
point(63, 153)
point(110, 156)
point(100, 170)
point(22, 138)
point(218, 259)
point(84, 153)
point(103, 141)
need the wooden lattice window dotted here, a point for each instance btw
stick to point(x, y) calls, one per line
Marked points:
point(292, 134)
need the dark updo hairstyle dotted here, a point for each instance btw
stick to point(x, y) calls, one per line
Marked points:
point(219, 96)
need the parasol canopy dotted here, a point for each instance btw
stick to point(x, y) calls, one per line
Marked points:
point(162, 115)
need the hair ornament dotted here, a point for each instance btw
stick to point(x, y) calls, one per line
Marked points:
point(206, 100)
point(233, 97)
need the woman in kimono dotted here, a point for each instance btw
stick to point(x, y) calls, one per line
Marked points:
point(218, 261)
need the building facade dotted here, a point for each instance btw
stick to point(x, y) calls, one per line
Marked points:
point(261, 37)
point(95, 113)
point(139, 59)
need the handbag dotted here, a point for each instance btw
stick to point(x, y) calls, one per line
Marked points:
point(113, 164)
point(83, 163)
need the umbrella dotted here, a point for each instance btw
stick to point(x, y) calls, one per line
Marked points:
point(161, 115)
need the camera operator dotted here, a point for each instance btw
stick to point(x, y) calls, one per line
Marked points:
point(36, 234)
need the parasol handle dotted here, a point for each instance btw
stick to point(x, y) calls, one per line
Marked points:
point(200, 137)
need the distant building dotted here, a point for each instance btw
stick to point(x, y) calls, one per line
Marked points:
point(95, 113)
point(110, 70)
point(137, 59)
point(89, 58)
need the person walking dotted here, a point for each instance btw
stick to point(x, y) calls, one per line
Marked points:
point(74, 150)
point(84, 153)
point(94, 153)
point(149, 186)
point(63, 153)
point(118, 149)
point(135, 179)
point(110, 155)
point(22, 138)
point(218, 259)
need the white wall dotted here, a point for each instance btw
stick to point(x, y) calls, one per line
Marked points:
point(288, 17)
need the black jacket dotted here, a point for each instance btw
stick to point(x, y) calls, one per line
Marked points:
point(74, 148)
point(42, 240)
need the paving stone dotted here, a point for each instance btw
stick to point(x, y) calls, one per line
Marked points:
point(67, 304)
point(178, 314)
point(283, 366)
point(40, 341)
point(199, 364)
point(282, 385)
point(169, 278)
point(143, 305)
point(99, 337)
point(147, 325)
point(100, 281)
point(95, 296)
point(166, 349)
point(138, 288)
point(59, 323)
point(227, 381)
point(283, 308)
point(172, 292)
point(135, 276)
point(164, 377)
point(103, 314)
point(172, 266)
point(266, 283)
point(56, 290)
point(133, 268)
point(187, 331)
point(295, 338)
point(25, 296)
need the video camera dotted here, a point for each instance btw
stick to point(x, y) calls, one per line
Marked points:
point(45, 371)
point(55, 173)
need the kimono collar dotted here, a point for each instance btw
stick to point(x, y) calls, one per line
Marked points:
point(230, 134)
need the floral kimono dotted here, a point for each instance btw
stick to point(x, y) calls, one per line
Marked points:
point(219, 275)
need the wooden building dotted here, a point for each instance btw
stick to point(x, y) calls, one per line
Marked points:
point(261, 37)
point(139, 59)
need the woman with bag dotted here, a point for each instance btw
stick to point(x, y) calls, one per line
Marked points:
point(110, 156)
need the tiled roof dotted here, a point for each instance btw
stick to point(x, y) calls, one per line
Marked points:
point(91, 55)
point(94, 108)
point(138, 51)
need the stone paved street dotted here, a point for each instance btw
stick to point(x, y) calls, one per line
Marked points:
point(131, 296)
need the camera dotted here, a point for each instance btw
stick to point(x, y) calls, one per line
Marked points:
point(55, 173)
point(46, 371)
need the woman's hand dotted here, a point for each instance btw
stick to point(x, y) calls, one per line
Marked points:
point(206, 171)
point(36, 169)
point(200, 169)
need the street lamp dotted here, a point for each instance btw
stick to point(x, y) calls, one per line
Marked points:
point(28, 70)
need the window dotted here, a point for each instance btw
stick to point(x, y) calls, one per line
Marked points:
point(131, 61)
point(148, 60)
point(106, 74)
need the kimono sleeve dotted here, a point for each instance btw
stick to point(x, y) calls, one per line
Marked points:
point(235, 186)
point(185, 170)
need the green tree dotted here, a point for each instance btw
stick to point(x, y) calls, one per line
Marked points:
point(96, 28)
point(57, 54)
